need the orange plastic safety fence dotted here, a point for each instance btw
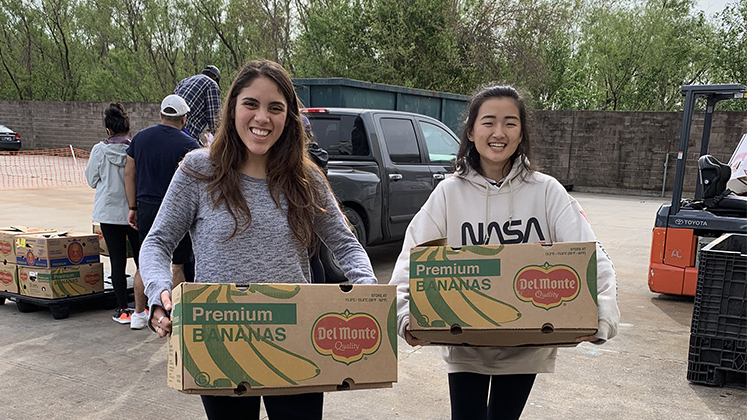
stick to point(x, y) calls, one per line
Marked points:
point(43, 168)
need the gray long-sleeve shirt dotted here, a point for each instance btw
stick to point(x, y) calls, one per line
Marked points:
point(267, 252)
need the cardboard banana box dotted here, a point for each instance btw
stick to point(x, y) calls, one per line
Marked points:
point(49, 250)
point(8, 277)
point(277, 339)
point(504, 295)
point(8, 241)
point(61, 282)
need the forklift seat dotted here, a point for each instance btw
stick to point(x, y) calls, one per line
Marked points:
point(713, 176)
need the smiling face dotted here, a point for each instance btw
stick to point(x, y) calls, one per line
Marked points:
point(496, 134)
point(261, 116)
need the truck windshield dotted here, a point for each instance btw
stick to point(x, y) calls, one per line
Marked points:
point(342, 135)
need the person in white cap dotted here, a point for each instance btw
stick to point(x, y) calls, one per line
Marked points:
point(152, 158)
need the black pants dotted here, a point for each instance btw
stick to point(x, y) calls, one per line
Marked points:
point(146, 215)
point(116, 242)
point(281, 407)
point(469, 396)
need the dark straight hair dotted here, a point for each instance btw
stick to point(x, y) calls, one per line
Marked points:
point(116, 119)
point(468, 156)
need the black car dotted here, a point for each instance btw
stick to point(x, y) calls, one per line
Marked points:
point(9, 139)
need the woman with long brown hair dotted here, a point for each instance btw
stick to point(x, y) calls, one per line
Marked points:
point(253, 203)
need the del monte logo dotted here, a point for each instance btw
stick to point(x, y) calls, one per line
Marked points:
point(5, 248)
point(547, 286)
point(92, 278)
point(345, 336)
point(75, 253)
point(6, 278)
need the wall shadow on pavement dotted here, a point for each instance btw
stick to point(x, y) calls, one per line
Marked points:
point(679, 308)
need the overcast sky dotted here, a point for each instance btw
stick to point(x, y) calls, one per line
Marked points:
point(712, 6)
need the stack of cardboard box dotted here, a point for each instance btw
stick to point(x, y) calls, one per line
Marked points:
point(54, 265)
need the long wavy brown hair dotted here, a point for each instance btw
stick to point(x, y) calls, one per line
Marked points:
point(290, 172)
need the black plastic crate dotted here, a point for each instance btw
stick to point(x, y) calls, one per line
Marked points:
point(717, 361)
point(720, 308)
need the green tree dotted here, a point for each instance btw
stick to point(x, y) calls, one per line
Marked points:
point(335, 40)
point(640, 53)
point(568, 54)
point(730, 49)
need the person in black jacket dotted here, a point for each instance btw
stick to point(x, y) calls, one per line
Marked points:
point(320, 157)
point(316, 153)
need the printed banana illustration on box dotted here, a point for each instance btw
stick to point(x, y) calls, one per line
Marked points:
point(281, 338)
point(520, 294)
point(61, 282)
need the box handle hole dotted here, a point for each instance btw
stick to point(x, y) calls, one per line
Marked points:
point(548, 328)
point(345, 385)
point(346, 287)
point(241, 389)
point(455, 329)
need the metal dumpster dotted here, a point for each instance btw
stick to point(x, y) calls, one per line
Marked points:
point(348, 93)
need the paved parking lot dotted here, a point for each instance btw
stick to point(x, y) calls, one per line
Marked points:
point(88, 367)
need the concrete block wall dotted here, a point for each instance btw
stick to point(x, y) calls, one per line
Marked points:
point(610, 151)
point(53, 125)
point(603, 151)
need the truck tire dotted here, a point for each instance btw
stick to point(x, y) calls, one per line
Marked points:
point(332, 270)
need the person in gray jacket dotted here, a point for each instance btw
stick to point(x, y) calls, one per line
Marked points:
point(105, 173)
point(253, 203)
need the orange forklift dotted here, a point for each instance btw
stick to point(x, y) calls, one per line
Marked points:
point(686, 225)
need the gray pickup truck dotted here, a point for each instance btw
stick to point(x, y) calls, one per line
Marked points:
point(383, 165)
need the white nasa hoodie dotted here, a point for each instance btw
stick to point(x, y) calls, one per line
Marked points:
point(534, 209)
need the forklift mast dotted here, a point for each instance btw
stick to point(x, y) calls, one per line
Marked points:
point(712, 94)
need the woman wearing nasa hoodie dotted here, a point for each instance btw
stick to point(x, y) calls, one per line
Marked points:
point(495, 183)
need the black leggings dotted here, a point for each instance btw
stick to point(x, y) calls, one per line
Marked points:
point(280, 407)
point(116, 242)
point(469, 396)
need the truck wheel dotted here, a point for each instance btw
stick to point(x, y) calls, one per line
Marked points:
point(332, 270)
point(355, 220)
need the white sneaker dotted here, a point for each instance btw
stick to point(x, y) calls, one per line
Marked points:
point(138, 321)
